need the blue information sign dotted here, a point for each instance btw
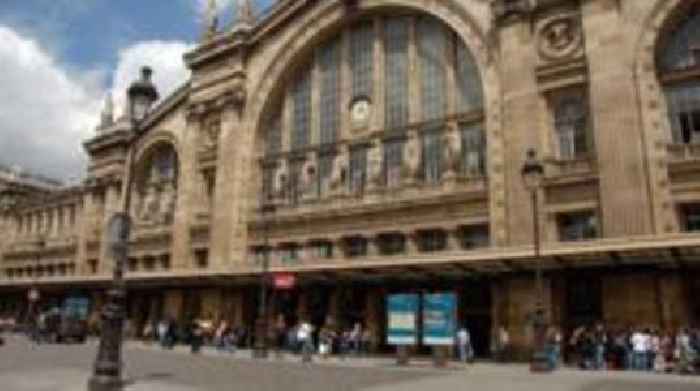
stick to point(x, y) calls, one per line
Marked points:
point(402, 314)
point(439, 318)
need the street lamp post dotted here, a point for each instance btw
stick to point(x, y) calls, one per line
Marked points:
point(261, 324)
point(107, 371)
point(532, 173)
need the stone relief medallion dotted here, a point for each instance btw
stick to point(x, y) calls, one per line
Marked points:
point(559, 37)
point(360, 112)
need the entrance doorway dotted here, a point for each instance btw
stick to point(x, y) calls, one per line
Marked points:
point(584, 301)
point(475, 314)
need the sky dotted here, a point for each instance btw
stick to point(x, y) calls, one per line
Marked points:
point(60, 58)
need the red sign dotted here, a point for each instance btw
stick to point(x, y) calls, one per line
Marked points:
point(284, 280)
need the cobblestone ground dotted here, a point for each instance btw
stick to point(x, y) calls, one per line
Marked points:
point(66, 368)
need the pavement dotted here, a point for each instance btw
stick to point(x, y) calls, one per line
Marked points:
point(24, 367)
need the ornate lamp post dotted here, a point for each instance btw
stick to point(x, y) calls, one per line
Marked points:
point(107, 374)
point(261, 324)
point(532, 173)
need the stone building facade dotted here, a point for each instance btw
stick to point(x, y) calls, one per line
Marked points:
point(389, 135)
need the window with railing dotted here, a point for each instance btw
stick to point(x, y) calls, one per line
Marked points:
point(432, 240)
point(679, 69)
point(474, 236)
point(391, 243)
point(577, 226)
point(570, 122)
point(355, 246)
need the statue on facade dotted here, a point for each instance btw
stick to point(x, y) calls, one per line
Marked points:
point(452, 146)
point(281, 181)
point(309, 181)
point(167, 202)
point(340, 172)
point(151, 203)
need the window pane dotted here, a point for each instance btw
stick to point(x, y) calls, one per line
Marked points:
point(683, 110)
point(682, 50)
point(577, 226)
point(469, 87)
point(273, 141)
point(431, 50)
point(431, 156)
point(295, 180)
point(329, 64)
point(473, 150)
point(358, 169)
point(570, 118)
point(325, 168)
point(393, 158)
point(301, 95)
point(396, 46)
point(362, 59)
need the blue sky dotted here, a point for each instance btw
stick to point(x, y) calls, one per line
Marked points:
point(73, 52)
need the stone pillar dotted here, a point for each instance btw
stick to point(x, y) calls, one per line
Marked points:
point(84, 226)
point(315, 118)
point(346, 93)
point(173, 304)
point(374, 316)
point(414, 74)
point(613, 91)
point(112, 206)
point(520, 126)
point(233, 191)
point(212, 303)
point(379, 101)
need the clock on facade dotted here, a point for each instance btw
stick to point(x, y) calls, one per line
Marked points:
point(360, 111)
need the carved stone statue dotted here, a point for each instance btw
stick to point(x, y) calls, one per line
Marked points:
point(167, 202)
point(453, 152)
point(338, 182)
point(281, 181)
point(151, 203)
point(412, 157)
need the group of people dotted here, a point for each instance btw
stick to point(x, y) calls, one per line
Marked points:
point(326, 340)
point(643, 349)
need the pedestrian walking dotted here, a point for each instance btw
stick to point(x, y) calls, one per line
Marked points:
point(464, 345)
point(304, 336)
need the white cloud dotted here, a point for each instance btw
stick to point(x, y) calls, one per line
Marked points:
point(47, 111)
point(165, 57)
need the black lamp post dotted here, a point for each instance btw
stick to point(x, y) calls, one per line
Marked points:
point(261, 323)
point(107, 374)
point(532, 173)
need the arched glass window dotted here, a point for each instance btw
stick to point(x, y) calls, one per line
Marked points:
point(363, 92)
point(679, 71)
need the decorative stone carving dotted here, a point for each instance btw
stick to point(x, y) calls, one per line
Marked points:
point(374, 165)
point(559, 37)
point(211, 129)
point(150, 205)
point(452, 144)
point(412, 157)
point(238, 93)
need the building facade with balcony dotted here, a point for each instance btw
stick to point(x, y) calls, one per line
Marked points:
point(389, 135)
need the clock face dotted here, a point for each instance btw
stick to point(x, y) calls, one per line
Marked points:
point(360, 111)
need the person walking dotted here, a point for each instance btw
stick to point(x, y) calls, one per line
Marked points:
point(639, 348)
point(304, 336)
point(464, 345)
point(600, 340)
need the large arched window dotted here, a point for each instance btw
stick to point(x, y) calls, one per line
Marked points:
point(353, 101)
point(679, 72)
point(156, 186)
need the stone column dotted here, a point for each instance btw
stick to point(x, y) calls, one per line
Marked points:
point(414, 74)
point(84, 226)
point(346, 93)
point(623, 182)
point(112, 206)
point(315, 117)
point(374, 316)
point(233, 191)
point(379, 88)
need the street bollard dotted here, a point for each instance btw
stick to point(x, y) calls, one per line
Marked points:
point(402, 355)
